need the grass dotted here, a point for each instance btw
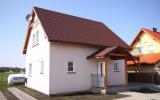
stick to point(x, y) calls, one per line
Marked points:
point(81, 96)
point(4, 78)
point(4, 85)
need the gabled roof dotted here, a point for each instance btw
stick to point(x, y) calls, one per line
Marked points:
point(72, 29)
point(147, 59)
point(153, 34)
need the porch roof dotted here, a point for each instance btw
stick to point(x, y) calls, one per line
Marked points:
point(115, 52)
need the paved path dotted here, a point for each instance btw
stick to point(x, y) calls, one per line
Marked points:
point(140, 96)
point(20, 94)
point(2, 97)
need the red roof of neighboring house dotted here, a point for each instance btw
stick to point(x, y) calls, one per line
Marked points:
point(147, 59)
point(72, 29)
point(153, 34)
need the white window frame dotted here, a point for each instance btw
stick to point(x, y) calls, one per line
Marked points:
point(35, 38)
point(30, 69)
point(73, 65)
point(116, 67)
point(42, 67)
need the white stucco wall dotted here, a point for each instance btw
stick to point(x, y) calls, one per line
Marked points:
point(35, 55)
point(115, 78)
point(60, 80)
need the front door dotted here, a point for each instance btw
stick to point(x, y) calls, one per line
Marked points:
point(100, 76)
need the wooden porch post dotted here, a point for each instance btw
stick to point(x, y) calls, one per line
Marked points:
point(126, 72)
point(105, 76)
point(139, 73)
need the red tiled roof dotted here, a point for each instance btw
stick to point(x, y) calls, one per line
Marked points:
point(154, 35)
point(148, 59)
point(68, 28)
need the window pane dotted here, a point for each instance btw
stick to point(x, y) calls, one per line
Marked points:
point(33, 39)
point(37, 37)
point(30, 69)
point(70, 66)
point(42, 67)
point(116, 67)
point(150, 48)
point(139, 50)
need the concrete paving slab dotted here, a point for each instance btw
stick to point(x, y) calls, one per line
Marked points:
point(140, 96)
point(2, 97)
point(20, 94)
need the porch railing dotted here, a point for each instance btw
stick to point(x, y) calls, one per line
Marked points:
point(97, 80)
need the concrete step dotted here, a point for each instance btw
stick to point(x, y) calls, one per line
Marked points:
point(20, 94)
point(2, 97)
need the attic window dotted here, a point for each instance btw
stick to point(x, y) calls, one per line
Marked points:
point(150, 48)
point(35, 39)
point(139, 50)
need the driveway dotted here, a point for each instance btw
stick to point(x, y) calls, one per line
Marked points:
point(140, 96)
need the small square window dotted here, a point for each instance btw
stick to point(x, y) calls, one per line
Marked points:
point(70, 66)
point(139, 50)
point(116, 67)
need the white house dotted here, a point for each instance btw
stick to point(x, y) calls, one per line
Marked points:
point(65, 53)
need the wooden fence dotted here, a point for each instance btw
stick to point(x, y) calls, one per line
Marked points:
point(144, 77)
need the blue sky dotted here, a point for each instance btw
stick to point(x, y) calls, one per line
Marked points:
point(124, 17)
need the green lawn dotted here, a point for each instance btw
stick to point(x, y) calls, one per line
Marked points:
point(4, 78)
point(81, 96)
point(4, 85)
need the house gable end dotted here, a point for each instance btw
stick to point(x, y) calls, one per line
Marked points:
point(32, 24)
point(150, 33)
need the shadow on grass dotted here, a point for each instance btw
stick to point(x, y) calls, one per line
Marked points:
point(145, 90)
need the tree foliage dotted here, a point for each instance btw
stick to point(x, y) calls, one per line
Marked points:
point(11, 69)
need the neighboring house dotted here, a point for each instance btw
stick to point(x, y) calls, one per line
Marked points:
point(146, 46)
point(65, 53)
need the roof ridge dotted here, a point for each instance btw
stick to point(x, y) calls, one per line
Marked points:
point(150, 30)
point(62, 13)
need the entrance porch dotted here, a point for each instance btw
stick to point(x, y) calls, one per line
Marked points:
point(111, 67)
